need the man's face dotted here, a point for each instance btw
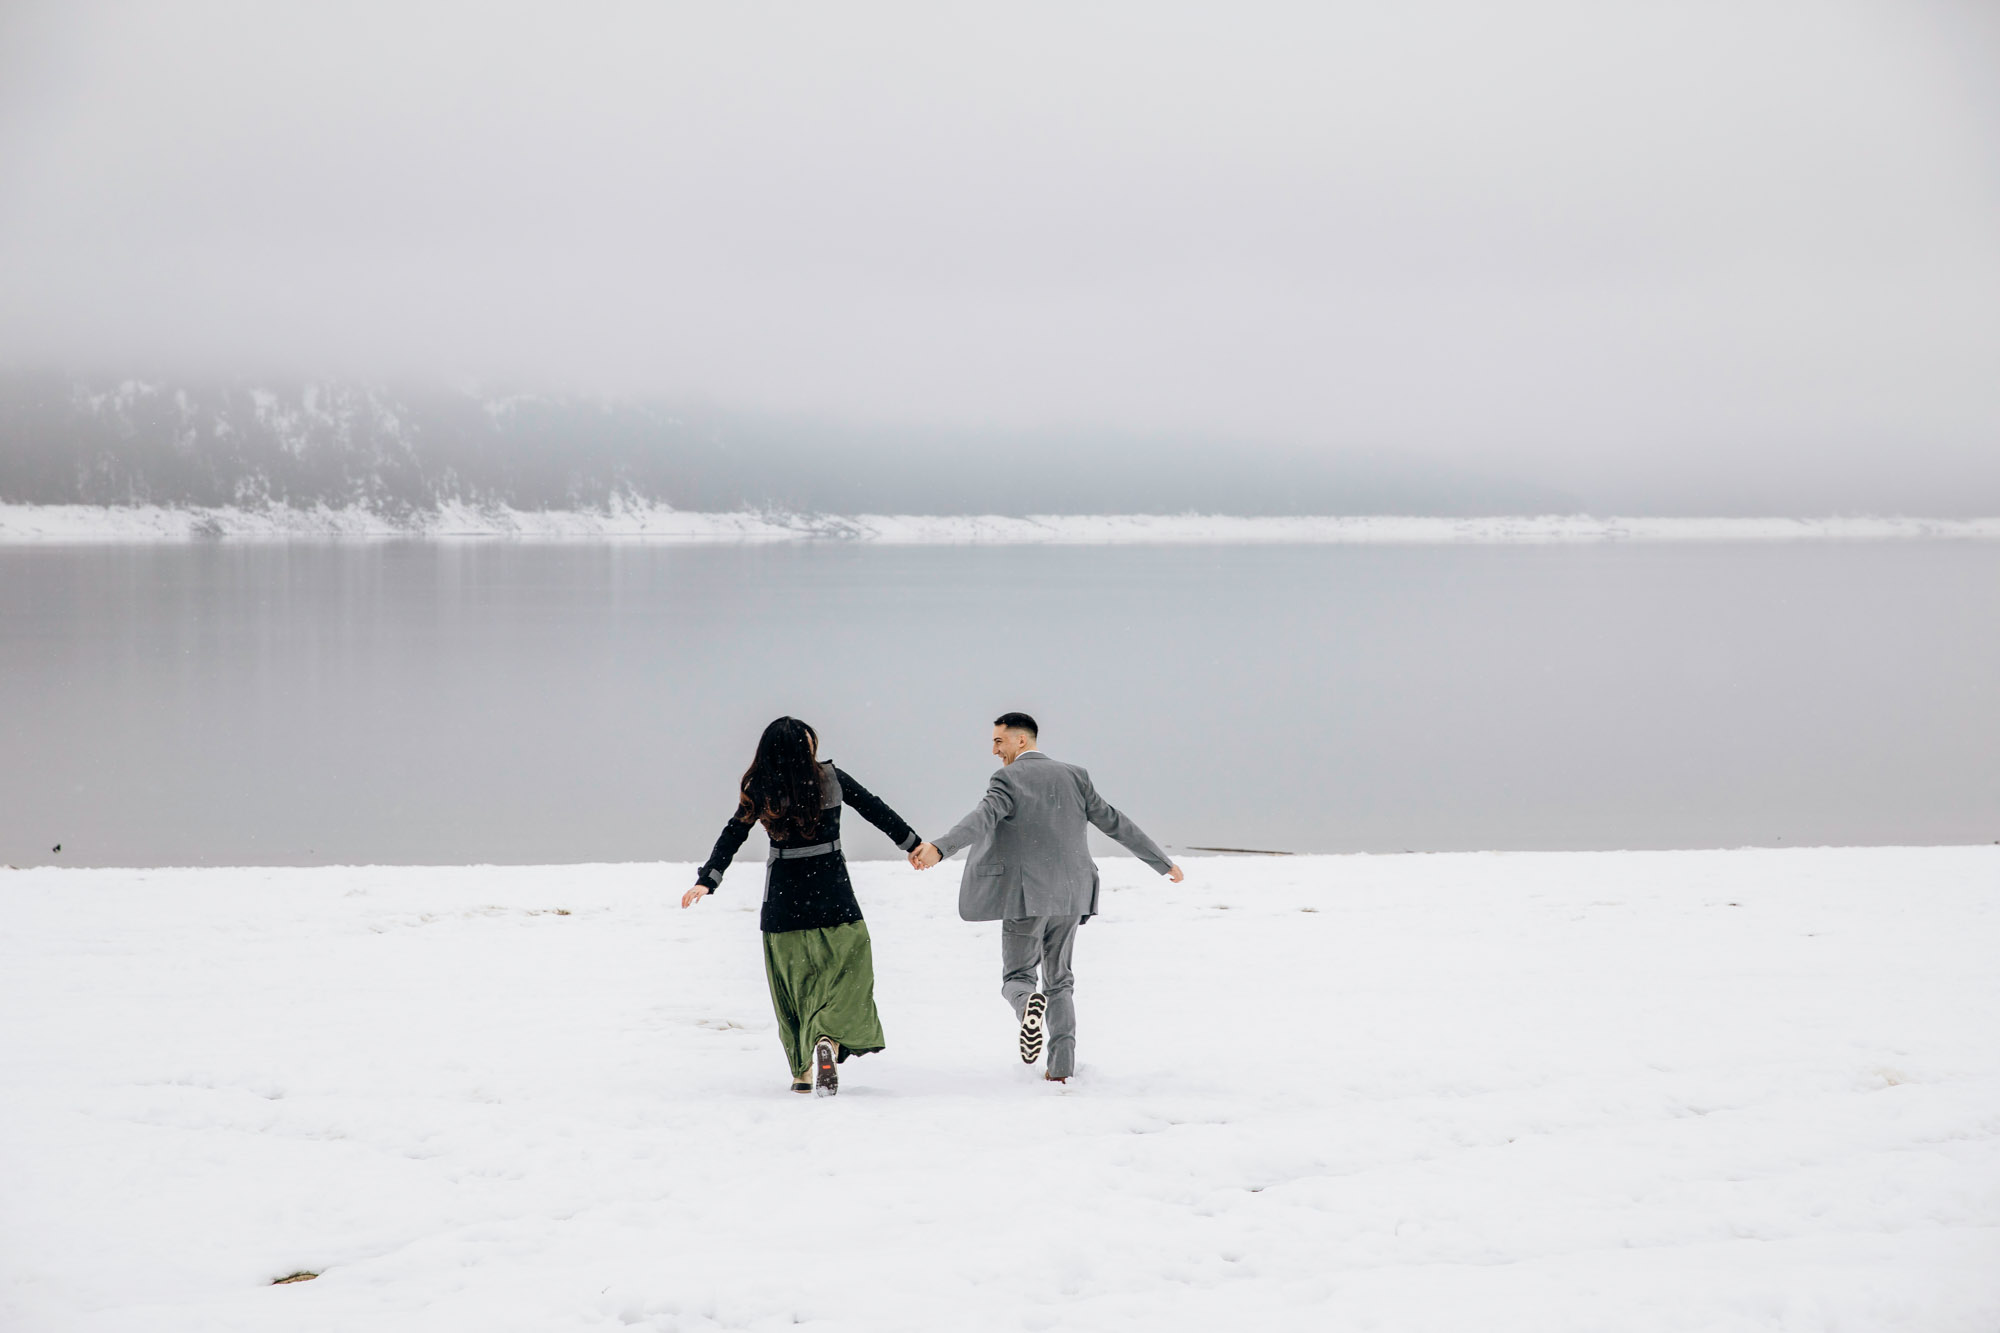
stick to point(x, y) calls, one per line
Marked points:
point(1008, 743)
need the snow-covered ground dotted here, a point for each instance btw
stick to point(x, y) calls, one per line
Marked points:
point(1537, 1092)
point(91, 523)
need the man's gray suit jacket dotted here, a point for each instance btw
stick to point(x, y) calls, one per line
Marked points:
point(1029, 840)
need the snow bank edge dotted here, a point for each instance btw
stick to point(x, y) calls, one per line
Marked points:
point(22, 524)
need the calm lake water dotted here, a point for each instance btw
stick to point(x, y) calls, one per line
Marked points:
point(416, 702)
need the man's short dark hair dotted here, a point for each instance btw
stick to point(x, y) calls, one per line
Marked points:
point(1018, 722)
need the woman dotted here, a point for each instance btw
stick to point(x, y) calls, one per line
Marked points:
point(816, 950)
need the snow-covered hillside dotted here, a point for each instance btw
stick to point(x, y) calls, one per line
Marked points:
point(409, 456)
point(392, 454)
point(1642, 1091)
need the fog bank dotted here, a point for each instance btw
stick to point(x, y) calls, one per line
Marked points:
point(1699, 258)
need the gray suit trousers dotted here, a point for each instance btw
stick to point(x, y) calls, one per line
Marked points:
point(1044, 943)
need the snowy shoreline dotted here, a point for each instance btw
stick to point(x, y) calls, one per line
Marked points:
point(22, 524)
point(1519, 1092)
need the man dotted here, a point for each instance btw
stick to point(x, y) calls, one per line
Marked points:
point(1030, 870)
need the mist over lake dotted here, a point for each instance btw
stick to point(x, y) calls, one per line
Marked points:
point(412, 702)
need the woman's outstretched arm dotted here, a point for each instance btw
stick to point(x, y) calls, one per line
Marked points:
point(876, 811)
point(709, 877)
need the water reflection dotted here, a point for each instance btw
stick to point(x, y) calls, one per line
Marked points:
point(413, 702)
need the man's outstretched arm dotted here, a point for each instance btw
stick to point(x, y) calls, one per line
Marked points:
point(1124, 832)
point(994, 806)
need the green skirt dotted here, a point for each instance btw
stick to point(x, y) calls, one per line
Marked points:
point(823, 985)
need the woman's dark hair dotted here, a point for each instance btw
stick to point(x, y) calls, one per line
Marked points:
point(782, 785)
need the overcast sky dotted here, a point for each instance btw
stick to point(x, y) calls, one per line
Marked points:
point(1667, 254)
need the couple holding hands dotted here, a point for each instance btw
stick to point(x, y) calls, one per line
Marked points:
point(1029, 869)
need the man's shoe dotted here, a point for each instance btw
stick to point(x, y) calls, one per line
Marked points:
point(1055, 1078)
point(802, 1085)
point(1031, 1028)
point(826, 1080)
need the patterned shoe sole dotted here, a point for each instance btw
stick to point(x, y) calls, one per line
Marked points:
point(826, 1079)
point(1031, 1028)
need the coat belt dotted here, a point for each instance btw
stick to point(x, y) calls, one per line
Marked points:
point(794, 853)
